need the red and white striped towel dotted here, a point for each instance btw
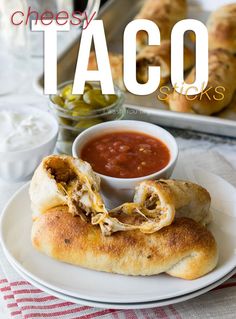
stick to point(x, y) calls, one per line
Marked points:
point(24, 301)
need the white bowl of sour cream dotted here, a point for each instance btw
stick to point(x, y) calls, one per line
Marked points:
point(27, 134)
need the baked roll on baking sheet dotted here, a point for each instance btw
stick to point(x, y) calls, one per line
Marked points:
point(185, 249)
point(148, 56)
point(116, 64)
point(219, 91)
point(160, 56)
point(165, 13)
point(222, 28)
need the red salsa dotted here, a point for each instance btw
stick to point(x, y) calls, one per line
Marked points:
point(126, 154)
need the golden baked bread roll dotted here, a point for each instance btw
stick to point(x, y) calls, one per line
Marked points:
point(222, 28)
point(148, 56)
point(165, 13)
point(160, 56)
point(116, 64)
point(219, 91)
point(184, 249)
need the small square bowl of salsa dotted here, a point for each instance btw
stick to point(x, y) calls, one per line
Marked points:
point(125, 153)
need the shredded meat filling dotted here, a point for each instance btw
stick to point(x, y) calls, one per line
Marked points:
point(84, 200)
point(60, 170)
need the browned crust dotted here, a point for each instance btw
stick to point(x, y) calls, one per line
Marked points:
point(116, 63)
point(165, 13)
point(160, 56)
point(222, 72)
point(184, 249)
point(222, 28)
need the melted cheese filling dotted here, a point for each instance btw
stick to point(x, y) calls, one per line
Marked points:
point(82, 197)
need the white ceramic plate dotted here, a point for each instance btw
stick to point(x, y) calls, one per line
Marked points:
point(144, 305)
point(110, 288)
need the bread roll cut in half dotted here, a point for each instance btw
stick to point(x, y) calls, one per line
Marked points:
point(160, 56)
point(185, 249)
point(164, 13)
point(222, 28)
point(219, 91)
point(64, 180)
point(188, 199)
point(163, 200)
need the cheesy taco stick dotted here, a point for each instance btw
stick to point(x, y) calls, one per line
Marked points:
point(185, 249)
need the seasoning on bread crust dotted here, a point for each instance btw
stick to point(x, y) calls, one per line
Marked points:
point(160, 56)
point(185, 249)
point(222, 28)
point(165, 13)
point(219, 91)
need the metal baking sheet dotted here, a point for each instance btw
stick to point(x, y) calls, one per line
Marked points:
point(115, 15)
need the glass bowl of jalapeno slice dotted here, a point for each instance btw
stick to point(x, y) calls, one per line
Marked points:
point(76, 113)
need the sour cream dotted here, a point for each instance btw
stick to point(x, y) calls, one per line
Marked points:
point(21, 131)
